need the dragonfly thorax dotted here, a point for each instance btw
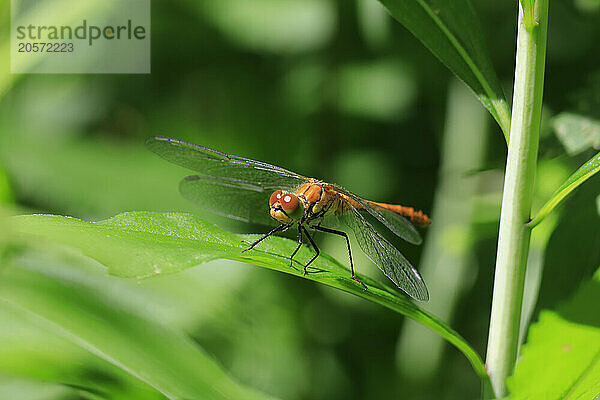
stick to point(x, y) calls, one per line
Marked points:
point(285, 207)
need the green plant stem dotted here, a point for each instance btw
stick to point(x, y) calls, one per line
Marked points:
point(514, 235)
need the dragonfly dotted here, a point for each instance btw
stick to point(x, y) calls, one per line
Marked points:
point(256, 192)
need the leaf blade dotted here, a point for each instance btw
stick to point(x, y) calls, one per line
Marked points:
point(586, 171)
point(143, 244)
point(562, 356)
point(161, 357)
point(452, 33)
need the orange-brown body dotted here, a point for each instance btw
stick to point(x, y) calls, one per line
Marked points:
point(317, 196)
point(417, 217)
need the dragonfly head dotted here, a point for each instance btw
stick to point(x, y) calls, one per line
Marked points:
point(286, 207)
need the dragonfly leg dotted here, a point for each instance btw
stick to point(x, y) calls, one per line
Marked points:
point(314, 245)
point(297, 248)
point(345, 235)
point(266, 235)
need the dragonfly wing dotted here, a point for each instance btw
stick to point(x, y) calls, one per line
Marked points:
point(229, 197)
point(213, 163)
point(227, 185)
point(393, 221)
point(387, 258)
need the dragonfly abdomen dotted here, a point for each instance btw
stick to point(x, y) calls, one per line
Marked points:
point(417, 217)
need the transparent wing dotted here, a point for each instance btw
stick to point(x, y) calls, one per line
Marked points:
point(393, 221)
point(228, 197)
point(227, 185)
point(213, 163)
point(387, 258)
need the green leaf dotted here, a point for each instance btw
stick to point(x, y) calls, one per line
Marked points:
point(561, 359)
point(451, 31)
point(142, 244)
point(584, 172)
point(161, 358)
point(573, 243)
point(22, 389)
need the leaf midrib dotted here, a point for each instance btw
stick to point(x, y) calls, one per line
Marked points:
point(461, 50)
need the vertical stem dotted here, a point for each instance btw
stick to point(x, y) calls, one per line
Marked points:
point(514, 236)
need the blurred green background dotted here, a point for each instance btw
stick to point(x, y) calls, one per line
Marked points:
point(332, 89)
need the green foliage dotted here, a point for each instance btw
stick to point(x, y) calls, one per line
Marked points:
point(141, 244)
point(561, 359)
point(330, 89)
point(451, 31)
point(577, 233)
point(585, 172)
point(24, 389)
point(69, 306)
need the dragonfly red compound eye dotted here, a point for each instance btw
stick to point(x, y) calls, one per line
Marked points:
point(289, 202)
point(275, 197)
